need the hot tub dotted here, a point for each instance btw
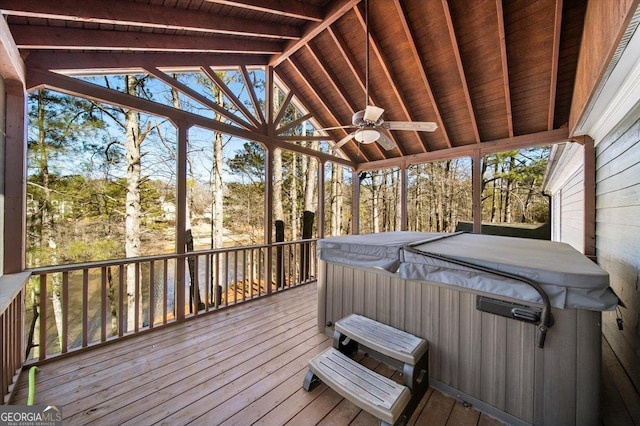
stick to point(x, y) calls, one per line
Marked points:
point(459, 291)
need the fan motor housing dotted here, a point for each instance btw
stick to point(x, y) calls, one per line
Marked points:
point(359, 121)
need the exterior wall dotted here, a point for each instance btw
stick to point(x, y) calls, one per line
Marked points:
point(3, 130)
point(618, 234)
point(566, 188)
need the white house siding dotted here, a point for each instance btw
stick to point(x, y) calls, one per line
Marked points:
point(618, 234)
point(3, 112)
point(566, 188)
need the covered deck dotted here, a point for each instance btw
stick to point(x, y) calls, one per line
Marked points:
point(233, 367)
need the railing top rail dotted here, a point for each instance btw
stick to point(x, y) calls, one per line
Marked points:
point(124, 261)
point(10, 287)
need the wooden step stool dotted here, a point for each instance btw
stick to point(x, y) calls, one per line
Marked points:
point(399, 349)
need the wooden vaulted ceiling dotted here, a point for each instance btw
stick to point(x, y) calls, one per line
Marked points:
point(486, 71)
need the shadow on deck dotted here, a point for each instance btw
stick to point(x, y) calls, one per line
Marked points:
point(239, 366)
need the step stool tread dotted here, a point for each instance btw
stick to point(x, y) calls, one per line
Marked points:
point(383, 338)
point(376, 394)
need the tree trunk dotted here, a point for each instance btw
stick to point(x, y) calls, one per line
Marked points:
point(132, 209)
point(47, 236)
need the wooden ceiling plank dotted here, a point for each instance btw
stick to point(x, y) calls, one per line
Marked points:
point(290, 8)
point(211, 73)
point(337, 9)
point(423, 75)
point(390, 80)
point(106, 62)
point(58, 38)
point(45, 79)
point(463, 79)
point(505, 69)
point(120, 12)
point(333, 80)
point(489, 147)
point(309, 82)
point(252, 93)
point(554, 64)
point(349, 60)
point(197, 97)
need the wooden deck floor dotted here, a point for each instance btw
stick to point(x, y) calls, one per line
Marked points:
point(240, 366)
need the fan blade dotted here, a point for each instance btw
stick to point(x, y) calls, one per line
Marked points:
point(343, 141)
point(385, 142)
point(350, 126)
point(372, 113)
point(421, 126)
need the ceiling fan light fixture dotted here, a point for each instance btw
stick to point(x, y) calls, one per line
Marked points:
point(366, 135)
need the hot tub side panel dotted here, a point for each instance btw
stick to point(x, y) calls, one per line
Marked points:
point(488, 357)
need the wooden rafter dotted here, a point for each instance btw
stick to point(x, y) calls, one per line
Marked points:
point(37, 79)
point(317, 96)
point(463, 79)
point(41, 37)
point(283, 110)
point(423, 74)
point(554, 64)
point(229, 93)
point(120, 12)
point(295, 123)
point(290, 8)
point(375, 47)
point(252, 93)
point(333, 80)
point(197, 97)
point(337, 10)
point(505, 68)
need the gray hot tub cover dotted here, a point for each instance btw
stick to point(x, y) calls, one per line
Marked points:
point(569, 278)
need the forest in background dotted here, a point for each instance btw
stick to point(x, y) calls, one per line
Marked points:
point(101, 180)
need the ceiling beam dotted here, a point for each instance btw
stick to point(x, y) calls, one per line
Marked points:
point(120, 12)
point(37, 79)
point(58, 38)
point(290, 8)
point(484, 148)
point(336, 10)
point(554, 64)
point(106, 62)
point(505, 68)
point(463, 79)
point(11, 63)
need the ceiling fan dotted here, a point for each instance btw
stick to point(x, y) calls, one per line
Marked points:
point(368, 124)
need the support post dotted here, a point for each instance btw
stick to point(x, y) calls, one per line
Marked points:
point(404, 196)
point(181, 217)
point(476, 177)
point(15, 167)
point(355, 202)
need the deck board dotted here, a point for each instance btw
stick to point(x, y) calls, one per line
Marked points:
point(239, 366)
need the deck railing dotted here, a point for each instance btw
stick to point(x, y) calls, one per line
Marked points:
point(89, 304)
point(12, 290)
